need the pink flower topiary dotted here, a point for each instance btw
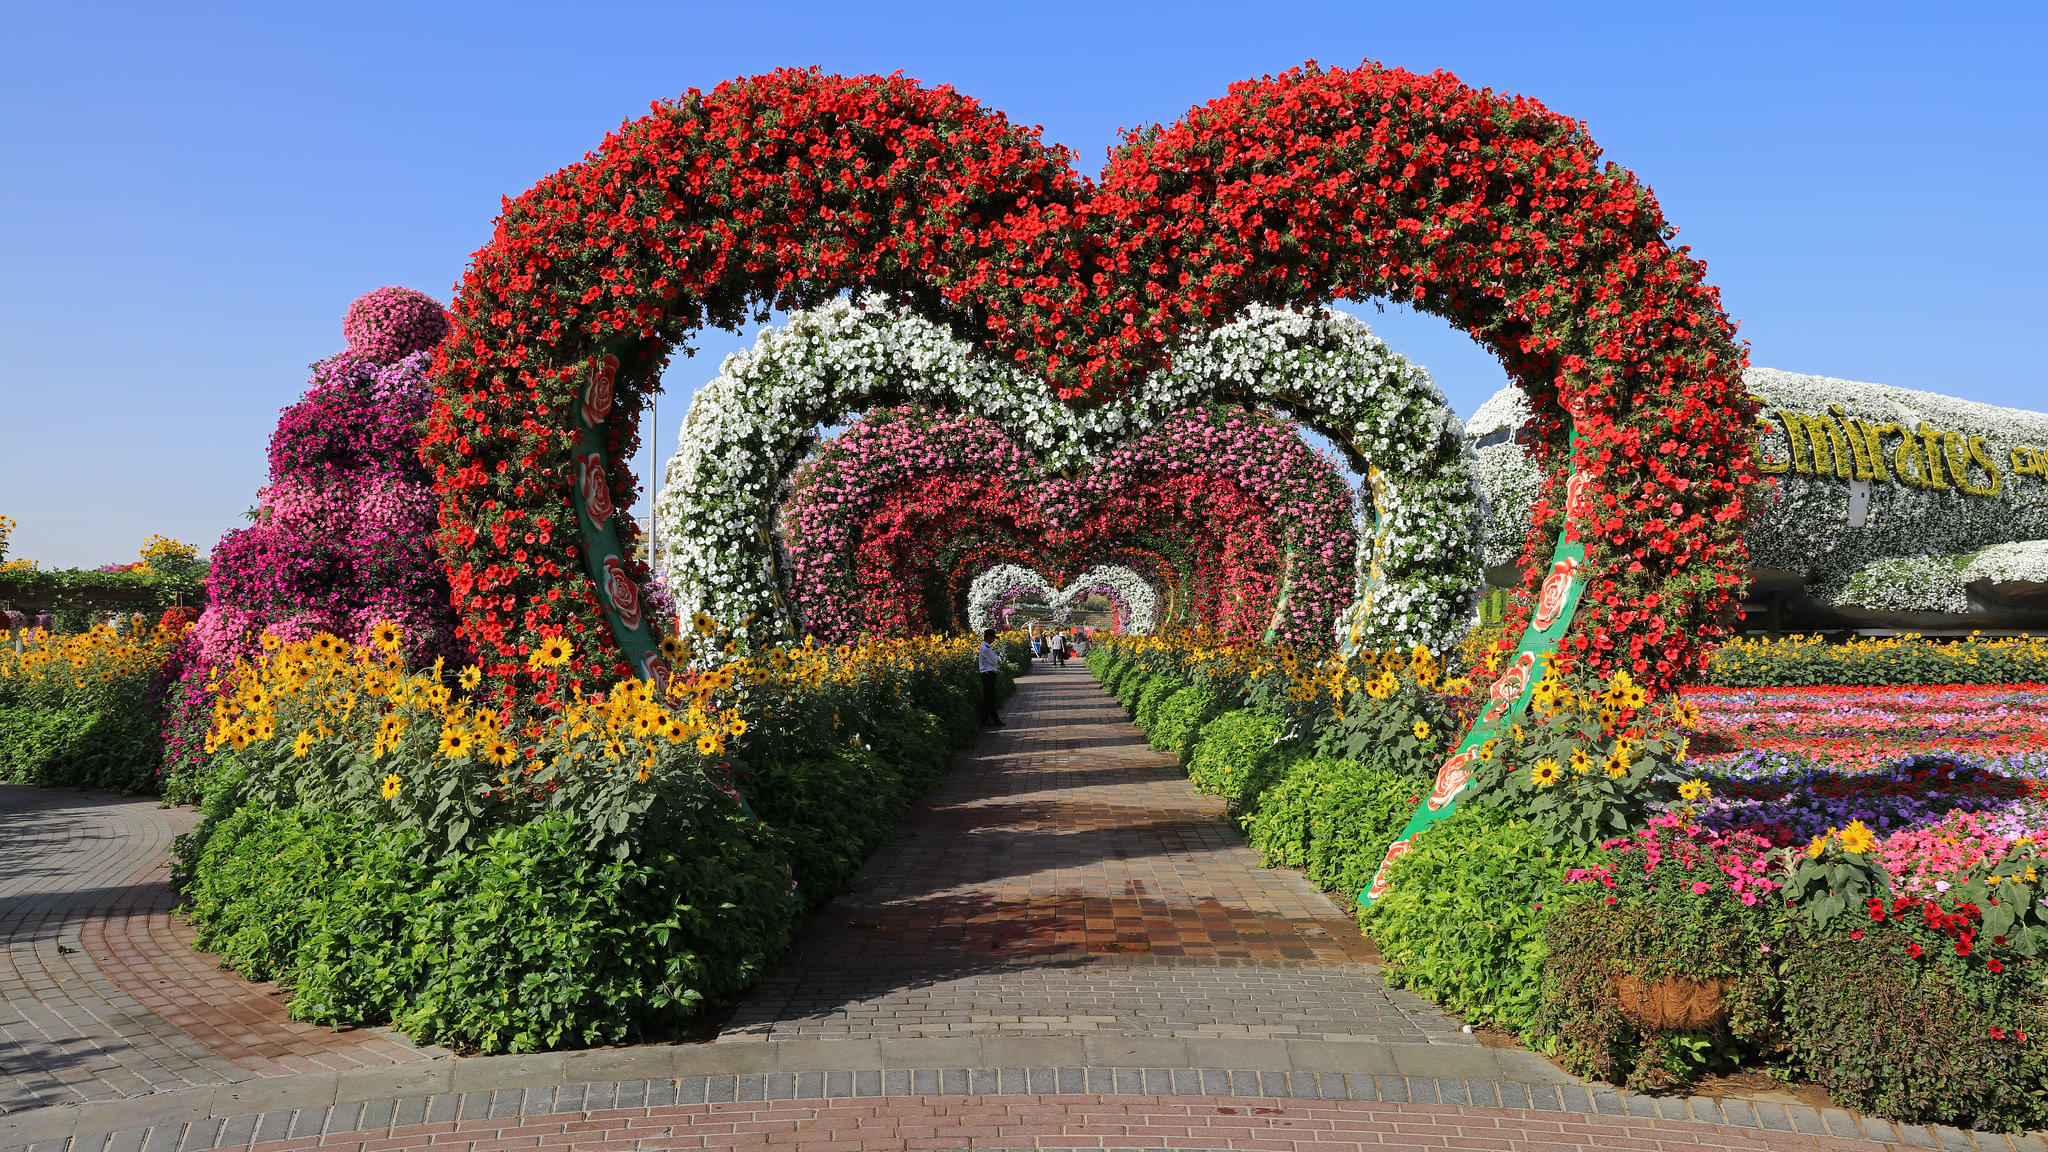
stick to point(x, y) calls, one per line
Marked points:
point(389, 324)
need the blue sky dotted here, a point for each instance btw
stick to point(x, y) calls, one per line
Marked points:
point(193, 194)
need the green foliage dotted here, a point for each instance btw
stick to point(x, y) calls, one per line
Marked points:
point(1463, 921)
point(1809, 660)
point(1673, 935)
point(1394, 722)
point(833, 812)
point(1331, 818)
point(115, 749)
point(529, 943)
point(1157, 691)
point(1180, 719)
point(1935, 1039)
point(1585, 761)
point(1835, 881)
point(80, 590)
point(1237, 756)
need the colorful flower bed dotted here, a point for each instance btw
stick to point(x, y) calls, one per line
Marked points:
point(86, 709)
point(1841, 885)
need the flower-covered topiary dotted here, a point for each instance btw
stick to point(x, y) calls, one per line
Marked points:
point(343, 538)
point(389, 324)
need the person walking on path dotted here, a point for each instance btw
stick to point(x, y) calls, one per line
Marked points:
point(1058, 644)
point(990, 660)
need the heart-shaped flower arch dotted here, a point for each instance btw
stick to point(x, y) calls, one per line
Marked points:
point(788, 189)
point(1416, 575)
point(1134, 594)
point(878, 474)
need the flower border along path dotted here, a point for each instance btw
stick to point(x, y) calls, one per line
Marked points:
point(1011, 1085)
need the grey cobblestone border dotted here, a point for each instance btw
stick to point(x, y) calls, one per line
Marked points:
point(378, 1099)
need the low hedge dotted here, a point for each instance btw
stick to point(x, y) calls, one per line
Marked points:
point(1464, 923)
point(1237, 755)
point(529, 943)
point(1180, 718)
point(1332, 819)
point(1156, 691)
point(1807, 661)
point(87, 710)
point(534, 933)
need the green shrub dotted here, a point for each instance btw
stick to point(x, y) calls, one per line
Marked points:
point(833, 812)
point(85, 709)
point(1333, 819)
point(1913, 1039)
point(530, 942)
point(1592, 943)
point(1463, 920)
point(1129, 683)
point(1755, 662)
point(1236, 756)
point(1156, 692)
point(116, 749)
point(1180, 719)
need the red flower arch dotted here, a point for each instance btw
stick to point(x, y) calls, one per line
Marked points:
point(786, 189)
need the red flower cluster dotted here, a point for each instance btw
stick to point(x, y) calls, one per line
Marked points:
point(788, 188)
point(1959, 924)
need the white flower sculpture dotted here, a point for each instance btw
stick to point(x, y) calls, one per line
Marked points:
point(1418, 567)
point(1850, 527)
point(1005, 582)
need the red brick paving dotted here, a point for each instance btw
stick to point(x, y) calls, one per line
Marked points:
point(1036, 1122)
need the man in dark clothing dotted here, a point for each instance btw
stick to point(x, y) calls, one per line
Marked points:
point(990, 661)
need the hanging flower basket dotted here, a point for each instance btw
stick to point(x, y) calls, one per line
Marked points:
point(1673, 1004)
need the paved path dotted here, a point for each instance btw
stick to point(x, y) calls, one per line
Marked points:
point(1065, 947)
point(102, 995)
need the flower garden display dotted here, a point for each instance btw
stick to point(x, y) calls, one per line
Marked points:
point(888, 520)
point(1137, 602)
point(1415, 577)
point(343, 539)
point(790, 188)
point(1887, 506)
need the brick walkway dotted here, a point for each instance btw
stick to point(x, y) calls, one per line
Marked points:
point(1065, 879)
point(1064, 947)
point(101, 994)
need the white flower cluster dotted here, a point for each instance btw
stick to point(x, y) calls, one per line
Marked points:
point(2023, 562)
point(1006, 581)
point(1952, 492)
point(1418, 568)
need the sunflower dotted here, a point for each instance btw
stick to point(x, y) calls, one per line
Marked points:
point(1695, 790)
point(1421, 730)
point(1857, 837)
point(1581, 763)
point(391, 784)
point(1616, 764)
point(1686, 714)
point(500, 753)
point(706, 745)
point(455, 742)
point(552, 652)
point(302, 745)
point(671, 648)
point(704, 624)
point(1546, 772)
point(239, 737)
point(469, 678)
point(386, 636)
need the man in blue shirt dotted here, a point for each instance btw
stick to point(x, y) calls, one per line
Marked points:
point(990, 661)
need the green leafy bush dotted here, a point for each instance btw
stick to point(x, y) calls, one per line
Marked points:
point(1463, 921)
point(833, 812)
point(86, 710)
point(531, 942)
point(1180, 719)
point(1157, 691)
point(1934, 1038)
point(1333, 819)
point(1237, 755)
point(1129, 683)
point(1808, 660)
point(1703, 939)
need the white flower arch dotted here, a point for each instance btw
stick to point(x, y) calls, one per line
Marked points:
point(1417, 573)
point(1139, 598)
